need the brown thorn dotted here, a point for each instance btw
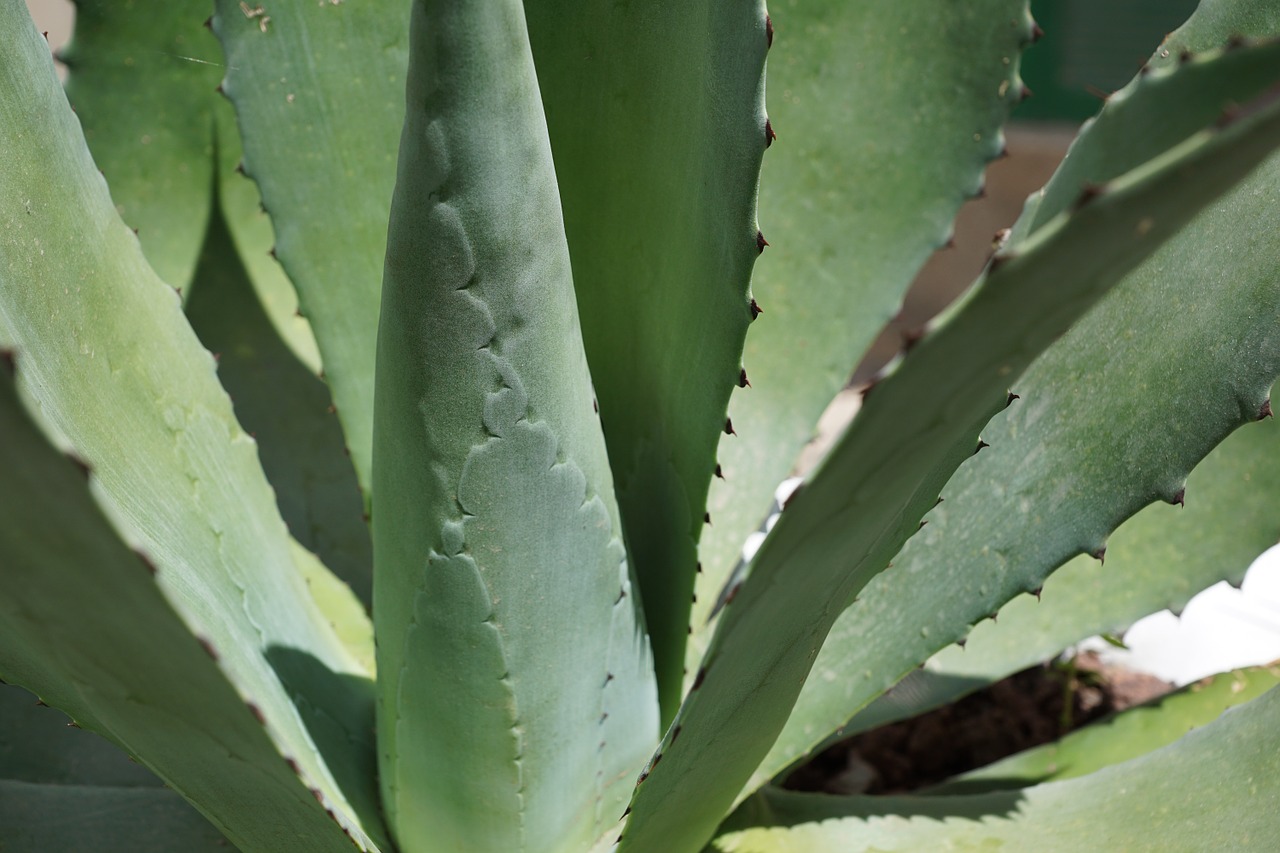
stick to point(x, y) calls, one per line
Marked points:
point(1100, 554)
point(962, 642)
point(768, 31)
point(1009, 401)
point(978, 449)
point(1037, 591)
point(1024, 92)
point(698, 567)
point(257, 713)
point(1036, 32)
point(207, 645)
point(208, 22)
point(706, 517)
point(1088, 193)
point(719, 471)
point(923, 522)
point(293, 765)
point(743, 382)
point(675, 733)
point(146, 561)
point(9, 361)
point(761, 242)
point(756, 310)
point(728, 427)
point(1180, 497)
point(1265, 412)
point(85, 469)
point(698, 679)
point(911, 337)
point(769, 135)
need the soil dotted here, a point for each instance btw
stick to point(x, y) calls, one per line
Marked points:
point(1025, 710)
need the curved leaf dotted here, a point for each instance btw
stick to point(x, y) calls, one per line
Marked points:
point(40, 818)
point(1158, 559)
point(318, 90)
point(142, 79)
point(113, 371)
point(1113, 417)
point(886, 472)
point(37, 745)
point(1227, 770)
point(887, 114)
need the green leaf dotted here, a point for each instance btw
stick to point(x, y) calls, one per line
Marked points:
point(1112, 418)
point(318, 90)
point(38, 745)
point(888, 469)
point(142, 82)
point(113, 668)
point(1127, 735)
point(142, 79)
point(657, 124)
point(113, 371)
point(1151, 115)
point(286, 408)
point(1218, 788)
point(1158, 559)
point(40, 818)
point(64, 788)
point(503, 605)
point(887, 114)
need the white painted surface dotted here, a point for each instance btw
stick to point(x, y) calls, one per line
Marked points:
point(1221, 628)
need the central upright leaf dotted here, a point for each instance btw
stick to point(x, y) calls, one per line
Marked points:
point(502, 596)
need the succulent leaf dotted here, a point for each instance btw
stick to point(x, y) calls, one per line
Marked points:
point(659, 190)
point(1158, 559)
point(113, 666)
point(287, 409)
point(1166, 390)
point(39, 818)
point(318, 91)
point(920, 423)
point(1149, 803)
point(887, 113)
point(503, 594)
point(115, 375)
point(65, 788)
point(142, 80)
point(37, 745)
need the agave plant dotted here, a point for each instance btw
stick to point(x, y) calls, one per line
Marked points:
point(495, 382)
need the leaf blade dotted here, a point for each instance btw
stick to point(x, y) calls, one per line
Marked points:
point(504, 607)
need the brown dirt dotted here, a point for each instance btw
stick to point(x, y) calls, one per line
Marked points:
point(1025, 710)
